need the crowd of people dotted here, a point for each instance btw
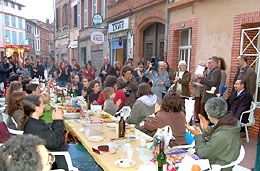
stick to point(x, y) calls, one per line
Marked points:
point(153, 92)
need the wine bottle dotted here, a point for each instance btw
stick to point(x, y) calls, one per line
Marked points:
point(88, 103)
point(121, 126)
point(161, 158)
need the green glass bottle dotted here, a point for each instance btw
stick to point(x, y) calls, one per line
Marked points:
point(161, 158)
point(74, 93)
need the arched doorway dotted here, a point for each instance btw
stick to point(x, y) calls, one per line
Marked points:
point(153, 37)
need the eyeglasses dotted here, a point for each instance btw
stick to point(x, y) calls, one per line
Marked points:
point(51, 159)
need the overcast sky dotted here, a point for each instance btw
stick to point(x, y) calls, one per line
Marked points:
point(38, 9)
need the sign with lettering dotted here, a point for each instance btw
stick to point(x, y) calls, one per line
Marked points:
point(118, 25)
point(97, 19)
point(97, 37)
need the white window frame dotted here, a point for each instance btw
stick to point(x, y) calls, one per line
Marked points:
point(257, 54)
point(85, 13)
point(94, 7)
point(103, 8)
point(184, 49)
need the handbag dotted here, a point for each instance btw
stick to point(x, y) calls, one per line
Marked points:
point(4, 133)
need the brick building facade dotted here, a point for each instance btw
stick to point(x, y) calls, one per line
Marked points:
point(197, 30)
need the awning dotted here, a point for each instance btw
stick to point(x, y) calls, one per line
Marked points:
point(73, 44)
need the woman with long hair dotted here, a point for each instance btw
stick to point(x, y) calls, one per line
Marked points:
point(15, 110)
point(63, 75)
point(39, 70)
point(143, 106)
point(118, 67)
point(170, 113)
point(88, 71)
point(52, 134)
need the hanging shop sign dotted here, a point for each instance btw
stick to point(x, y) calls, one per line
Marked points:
point(119, 25)
point(97, 37)
point(97, 19)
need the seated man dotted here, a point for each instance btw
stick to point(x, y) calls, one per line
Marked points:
point(25, 152)
point(224, 143)
point(239, 100)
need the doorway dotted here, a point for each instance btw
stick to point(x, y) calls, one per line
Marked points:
point(154, 41)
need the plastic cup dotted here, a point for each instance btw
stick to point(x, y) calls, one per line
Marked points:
point(132, 127)
point(86, 132)
point(142, 142)
point(129, 153)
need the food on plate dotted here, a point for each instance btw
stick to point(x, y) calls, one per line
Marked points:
point(104, 115)
point(73, 110)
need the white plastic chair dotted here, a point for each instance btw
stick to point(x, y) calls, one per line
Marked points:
point(67, 158)
point(11, 131)
point(251, 119)
point(234, 163)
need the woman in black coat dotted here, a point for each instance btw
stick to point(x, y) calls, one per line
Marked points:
point(39, 70)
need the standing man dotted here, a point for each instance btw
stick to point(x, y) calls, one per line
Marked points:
point(245, 72)
point(106, 70)
point(5, 69)
point(212, 79)
point(159, 78)
point(29, 66)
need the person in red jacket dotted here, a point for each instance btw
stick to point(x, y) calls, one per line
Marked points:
point(111, 81)
point(88, 71)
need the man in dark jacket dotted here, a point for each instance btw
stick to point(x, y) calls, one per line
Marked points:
point(106, 70)
point(245, 72)
point(239, 100)
point(5, 68)
point(212, 79)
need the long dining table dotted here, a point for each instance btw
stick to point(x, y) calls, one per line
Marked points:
point(106, 160)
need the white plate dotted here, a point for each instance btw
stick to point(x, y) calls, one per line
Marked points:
point(124, 163)
point(71, 116)
point(111, 125)
point(209, 92)
point(95, 138)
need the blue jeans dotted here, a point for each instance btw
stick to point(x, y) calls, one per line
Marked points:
point(82, 159)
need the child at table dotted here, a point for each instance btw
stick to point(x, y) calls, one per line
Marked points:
point(47, 113)
point(109, 105)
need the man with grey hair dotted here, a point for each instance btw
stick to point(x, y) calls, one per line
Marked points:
point(211, 80)
point(245, 72)
point(25, 152)
point(106, 69)
point(224, 143)
point(159, 78)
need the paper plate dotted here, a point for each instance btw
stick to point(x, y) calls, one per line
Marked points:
point(111, 125)
point(71, 116)
point(209, 92)
point(95, 138)
point(125, 163)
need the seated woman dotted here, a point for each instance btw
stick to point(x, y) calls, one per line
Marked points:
point(15, 110)
point(53, 134)
point(223, 144)
point(143, 106)
point(170, 114)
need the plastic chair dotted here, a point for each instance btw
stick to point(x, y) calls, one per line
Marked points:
point(11, 131)
point(251, 119)
point(67, 158)
point(234, 163)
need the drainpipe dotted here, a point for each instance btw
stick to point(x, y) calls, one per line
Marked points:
point(166, 31)
point(54, 31)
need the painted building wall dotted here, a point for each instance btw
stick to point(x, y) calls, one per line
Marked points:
point(216, 30)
